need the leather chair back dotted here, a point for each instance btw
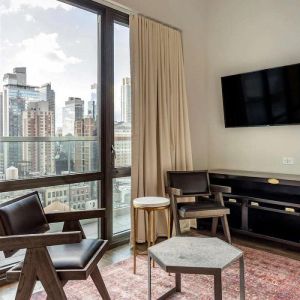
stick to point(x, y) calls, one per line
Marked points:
point(190, 182)
point(23, 215)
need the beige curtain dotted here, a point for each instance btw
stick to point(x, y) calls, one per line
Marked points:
point(160, 133)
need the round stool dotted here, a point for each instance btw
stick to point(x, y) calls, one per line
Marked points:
point(149, 205)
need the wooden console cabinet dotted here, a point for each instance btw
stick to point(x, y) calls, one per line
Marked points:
point(261, 204)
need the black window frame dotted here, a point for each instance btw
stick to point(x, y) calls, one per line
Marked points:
point(105, 99)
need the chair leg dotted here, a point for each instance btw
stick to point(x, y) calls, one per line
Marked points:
point(168, 221)
point(135, 228)
point(226, 228)
point(171, 222)
point(27, 279)
point(177, 225)
point(99, 283)
point(175, 216)
point(214, 226)
point(48, 276)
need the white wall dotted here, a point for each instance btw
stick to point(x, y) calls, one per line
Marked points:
point(189, 16)
point(244, 36)
point(226, 37)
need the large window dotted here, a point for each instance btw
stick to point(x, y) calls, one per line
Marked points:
point(58, 114)
point(49, 90)
point(122, 128)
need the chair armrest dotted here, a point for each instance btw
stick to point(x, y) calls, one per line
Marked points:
point(75, 215)
point(15, 242)
point(173, 191)
point(219, 188)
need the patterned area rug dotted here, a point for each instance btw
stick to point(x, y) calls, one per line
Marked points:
point(268, 276)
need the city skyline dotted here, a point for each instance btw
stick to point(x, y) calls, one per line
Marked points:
point(65, 55)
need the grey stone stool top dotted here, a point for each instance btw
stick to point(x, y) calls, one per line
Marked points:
point(195, 255)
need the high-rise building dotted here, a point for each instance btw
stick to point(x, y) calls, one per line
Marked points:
point(20, 75)
point(126, 100)
point(39, 121)
point(1, 134)
point(47, 94)
point(1, 114)
point(16, 95)
point(122, 144)
point(92, 103)
point(85, 151)
point(72, 112)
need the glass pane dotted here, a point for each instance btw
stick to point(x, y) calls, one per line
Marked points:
point(77, 196)
point(49, 157)
point(121, 204)
point(122, 96)
point(48, 95)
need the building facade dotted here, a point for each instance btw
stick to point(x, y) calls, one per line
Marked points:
point(38, 121)
point(72, 112)
point(126, 100)
point(85, 151)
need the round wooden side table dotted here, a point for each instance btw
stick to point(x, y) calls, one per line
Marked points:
point(149, 205)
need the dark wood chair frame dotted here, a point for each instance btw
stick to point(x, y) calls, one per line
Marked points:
point(214, 190)
point(38, 265)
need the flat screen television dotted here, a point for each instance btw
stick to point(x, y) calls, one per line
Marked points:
point(260, 98)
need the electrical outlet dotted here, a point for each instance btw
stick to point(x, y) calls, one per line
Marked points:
point(284, 160)
point(288, 161)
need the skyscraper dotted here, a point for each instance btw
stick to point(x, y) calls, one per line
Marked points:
point(39, 121)
point(16, 95)
point(21, 75)
point(126, 100)
point(122, 144)
point(1, 114)
point(47, 94)
point(1, 134)
point(92, 103)
point(85, 151)
point(73, 111)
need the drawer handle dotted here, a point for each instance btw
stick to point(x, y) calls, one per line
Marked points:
point(232, 200)
point(289, 209)
point(273, 181)
point(254, 203)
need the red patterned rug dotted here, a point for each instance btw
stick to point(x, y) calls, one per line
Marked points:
point(268, 276)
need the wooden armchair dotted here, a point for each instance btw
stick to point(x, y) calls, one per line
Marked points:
point(52, 258)
point(209, 204)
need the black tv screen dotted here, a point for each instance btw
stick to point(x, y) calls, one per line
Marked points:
point(266, 97)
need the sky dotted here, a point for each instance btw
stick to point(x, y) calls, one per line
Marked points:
point(58, 44)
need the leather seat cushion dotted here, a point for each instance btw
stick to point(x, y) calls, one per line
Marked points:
point(201, 205)
point(201, 209)
point(72, 256)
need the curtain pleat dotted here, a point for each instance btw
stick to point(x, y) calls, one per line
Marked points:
point(160, 132)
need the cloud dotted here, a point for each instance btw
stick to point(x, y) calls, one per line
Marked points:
point(14, 6)
point(29, 18)
point(43, 55)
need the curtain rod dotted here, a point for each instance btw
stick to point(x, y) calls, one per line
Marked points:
point(126, 9)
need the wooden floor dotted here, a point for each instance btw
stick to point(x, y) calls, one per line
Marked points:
point(120, 253)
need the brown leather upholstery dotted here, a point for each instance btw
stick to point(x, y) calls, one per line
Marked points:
point(23, 215)
point(72, 256)
point(193, 182)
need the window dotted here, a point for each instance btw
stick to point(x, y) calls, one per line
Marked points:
point(122, 128)
point(54, 59)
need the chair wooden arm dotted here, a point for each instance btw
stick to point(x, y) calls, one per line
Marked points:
point(219, 189)
point(75, 215)
point(13, 242)
point(173, 191)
